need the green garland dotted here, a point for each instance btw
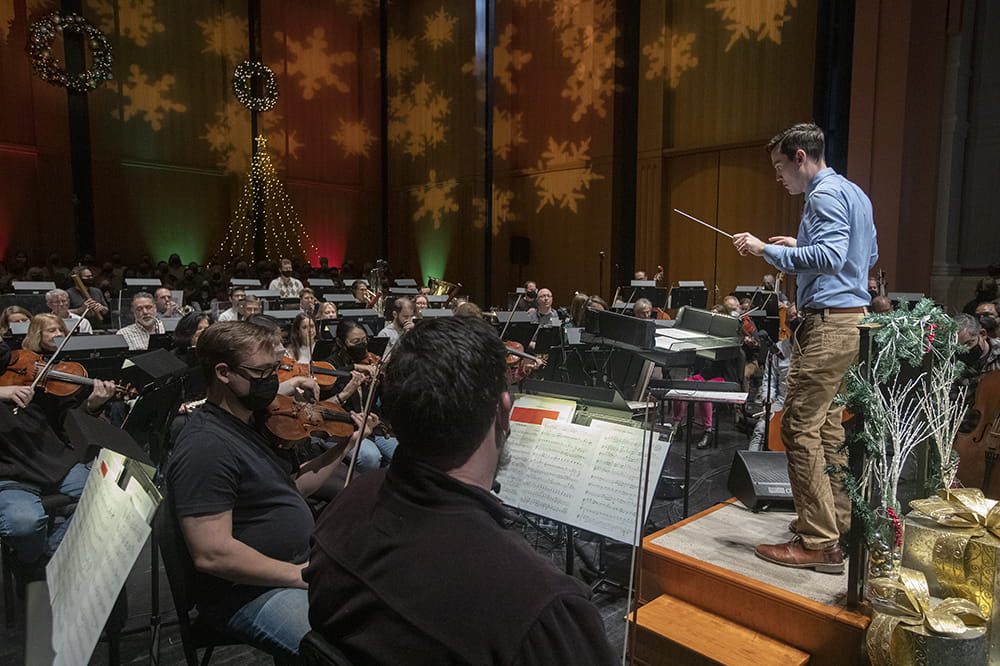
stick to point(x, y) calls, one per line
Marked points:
point(41, 36)
point(924, 339)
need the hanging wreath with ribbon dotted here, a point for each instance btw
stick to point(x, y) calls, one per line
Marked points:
point(243, 85)
point(42, 34)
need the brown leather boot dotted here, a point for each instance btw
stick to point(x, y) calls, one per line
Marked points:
point(795, 554)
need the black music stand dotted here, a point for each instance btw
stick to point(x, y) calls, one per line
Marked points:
point(682, 390)
point(696, 297)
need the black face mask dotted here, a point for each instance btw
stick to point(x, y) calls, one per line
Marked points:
point(357, 353)
point(261, 394)
point(531, 294)
point(971, 357)
point(286, 273)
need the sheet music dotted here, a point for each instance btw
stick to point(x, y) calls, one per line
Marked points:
point(534, 408)
point(678, 333)
point(109, 528)
point(588, 477)
point(735, 397)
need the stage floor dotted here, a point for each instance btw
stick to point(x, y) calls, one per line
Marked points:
point(726, 538)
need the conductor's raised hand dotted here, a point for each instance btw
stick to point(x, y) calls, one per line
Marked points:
point(746, 243)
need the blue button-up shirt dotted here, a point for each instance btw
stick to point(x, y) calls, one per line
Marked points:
point(836, 245)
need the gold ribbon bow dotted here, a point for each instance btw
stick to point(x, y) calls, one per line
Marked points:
point(910, 602)
point(962, 507)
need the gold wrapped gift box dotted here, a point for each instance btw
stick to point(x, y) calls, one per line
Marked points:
point(953, 541)
point(912, 629)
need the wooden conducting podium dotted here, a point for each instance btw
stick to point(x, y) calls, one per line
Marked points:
point(703, 597)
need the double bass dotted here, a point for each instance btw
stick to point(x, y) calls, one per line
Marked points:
point(979, 450)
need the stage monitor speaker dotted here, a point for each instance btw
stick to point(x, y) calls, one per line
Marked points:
point(759, 479)
point(520, 250)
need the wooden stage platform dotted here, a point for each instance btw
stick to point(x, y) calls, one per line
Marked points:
point(705, 598)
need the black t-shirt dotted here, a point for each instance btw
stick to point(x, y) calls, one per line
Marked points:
point(220, 464)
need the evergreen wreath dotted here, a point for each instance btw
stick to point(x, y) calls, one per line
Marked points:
point(243, 85)
point(43, 33)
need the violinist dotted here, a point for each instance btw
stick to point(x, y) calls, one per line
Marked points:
point(36, 457)
point(302, 338)
point(351, 353)
point(240, 500)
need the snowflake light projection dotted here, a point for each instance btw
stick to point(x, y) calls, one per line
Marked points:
point(359, 8)
point(587, 36)
point(439, 28)
point(416, 117)
point(312, 64)
point(564, 174)
point(136, 20)
point(354, 138)
point(435, 199)
point(506, 60)
point(149, 99)
point(763, 17)
point(502, 213)
point(674, 59)
point(506, 132)
point(225, 35)
point(229, 136)
point(401, 57)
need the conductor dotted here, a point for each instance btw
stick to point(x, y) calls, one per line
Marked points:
point(831, 256)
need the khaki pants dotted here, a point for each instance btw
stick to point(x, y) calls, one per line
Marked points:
point(825, 345)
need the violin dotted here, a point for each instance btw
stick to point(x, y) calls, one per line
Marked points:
point(979, 450)
point(61, 379)
point(520, 364)
point(324, 373)
point(784, 331)
point(291, 421)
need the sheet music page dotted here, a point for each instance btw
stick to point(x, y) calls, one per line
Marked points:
point(534, 408)
point(678, 333)
point(588, 477)
point(109, 528)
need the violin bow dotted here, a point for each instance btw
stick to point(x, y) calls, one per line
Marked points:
point(364, 416)
point(510, 316)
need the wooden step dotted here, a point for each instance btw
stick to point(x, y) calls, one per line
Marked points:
point(677, 632)
point(828, 632)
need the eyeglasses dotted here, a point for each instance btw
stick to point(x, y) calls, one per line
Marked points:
point(252, 372)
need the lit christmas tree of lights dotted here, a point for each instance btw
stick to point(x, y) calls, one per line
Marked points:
point(284, 235)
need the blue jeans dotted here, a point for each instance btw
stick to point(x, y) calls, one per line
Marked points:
point(372, 454)
point(23, 523)
point(274, 622)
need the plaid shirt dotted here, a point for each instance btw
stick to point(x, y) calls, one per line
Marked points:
point(137, 337)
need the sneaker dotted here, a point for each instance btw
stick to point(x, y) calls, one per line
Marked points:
point(795, 554)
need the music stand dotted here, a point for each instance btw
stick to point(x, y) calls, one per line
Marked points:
point(696, 297)
point(690, 392)
point(32, 287)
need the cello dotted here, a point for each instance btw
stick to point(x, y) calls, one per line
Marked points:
point(979, 450)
